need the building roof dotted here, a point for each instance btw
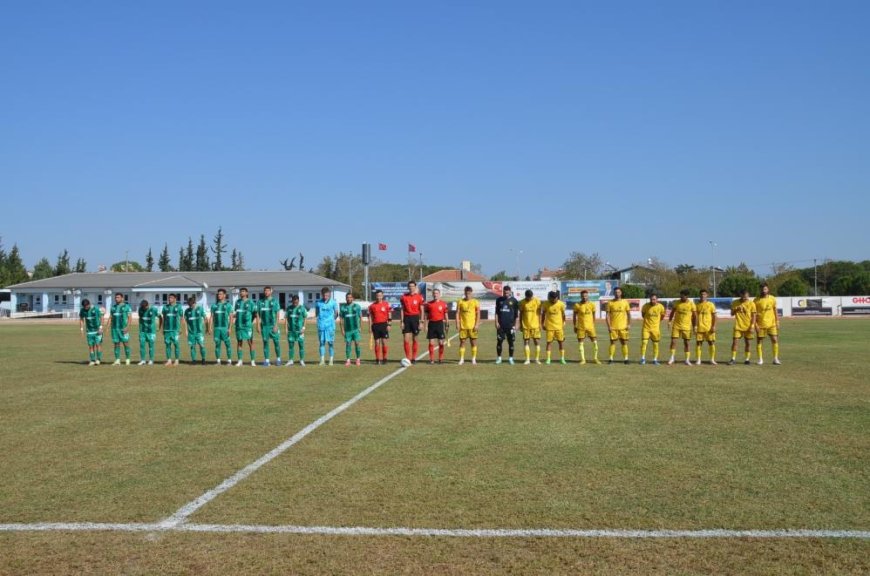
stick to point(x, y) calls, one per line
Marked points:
point(146, 280)
point(550, 273)
point(454, 276)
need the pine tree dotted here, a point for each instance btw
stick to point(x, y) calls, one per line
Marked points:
point(234, 260)
point(240, 262)
point(62, 267)
point(188, 255)
point(165, 263)
point(81, 266)
point(149, 261)
point(42, 270)
point(181, 263)
point(3, 279)
point(218, 248)
point(202, 263)
point(15, 269)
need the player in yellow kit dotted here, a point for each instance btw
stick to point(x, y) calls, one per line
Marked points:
point(553, 319)
point(467, 323)
point(584, 326)
point(682, 319)
point(767, 323)
point(743, 311)
point(530, 324)
point(705, 330)
point(618, 319)
point(652, 313)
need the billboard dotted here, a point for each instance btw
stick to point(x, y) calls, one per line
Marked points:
point(812, 306)
point(855, 305)
point(394, 290)
point(487, 292)
point(598, 289)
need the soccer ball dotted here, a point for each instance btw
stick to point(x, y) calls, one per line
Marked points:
point(405, 362)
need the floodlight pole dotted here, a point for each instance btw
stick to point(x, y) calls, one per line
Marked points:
point(713, 264)
point(815, 278)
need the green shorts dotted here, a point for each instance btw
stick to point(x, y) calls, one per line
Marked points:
point(146, 337)
point(294, 337)
point(222, 335)
point(271, 333)
point(170, 338)
point(244, 334)
point(352, 336)
point(194, 339)
point(95, 338)
point(118, 336)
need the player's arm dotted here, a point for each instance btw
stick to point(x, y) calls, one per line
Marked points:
point(574, 319)
point(695, 320)
point(477, 315)
point(607, 318)
point(129, 321)
point(713, 321)
point(628, 316)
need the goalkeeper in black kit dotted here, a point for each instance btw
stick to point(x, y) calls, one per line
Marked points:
point(507, 312)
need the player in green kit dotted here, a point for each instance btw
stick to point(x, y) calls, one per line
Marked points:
point(120, 317)
point(170, 322)
point(268, 309)
point(148, 319)
point(219, 325)
point(91, 326)
point(294, 321)
point(246, 316)
point(351, 317)
point(194, 325)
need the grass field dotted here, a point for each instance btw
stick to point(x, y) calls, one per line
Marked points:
point(445, 447)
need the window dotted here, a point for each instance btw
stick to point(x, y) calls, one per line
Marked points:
point(99, 298)
point(56, 298)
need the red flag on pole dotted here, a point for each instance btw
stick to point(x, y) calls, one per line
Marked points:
point(412, 248)
point(382, 246)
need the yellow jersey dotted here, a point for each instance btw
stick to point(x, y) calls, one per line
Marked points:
point(585, 314)
point(467, 311)
point(617, 313)
point(706, 312)
point(743, 312)
point(683, 314)
point(553, 312)
point(652, 316)
point(765, 307)
point(529, 318)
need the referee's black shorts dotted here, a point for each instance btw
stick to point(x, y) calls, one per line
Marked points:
point(435, 330)
point(411, 324)
point(381, 331)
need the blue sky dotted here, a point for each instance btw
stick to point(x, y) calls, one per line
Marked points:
point(632, 129)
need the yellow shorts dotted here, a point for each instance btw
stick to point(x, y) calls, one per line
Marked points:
point(583, 333)
point(531, 333)
point(557, 335)
point(772, 331)
point(705, 336)
point(650, 335)
point(619, 334)
point(466, 334)
point(684, 334)
point(747, 334)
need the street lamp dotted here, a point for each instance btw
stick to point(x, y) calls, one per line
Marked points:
point(517, 253)
point(713, 264)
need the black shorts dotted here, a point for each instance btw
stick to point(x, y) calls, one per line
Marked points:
point(435, 330)
point(503, 333)
point(381, 331)
point(411, 324)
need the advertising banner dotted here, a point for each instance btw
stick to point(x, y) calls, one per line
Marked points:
point(487, 292)
point(598, 289)
point(812, 306)
point(855, 305)
point(394, 290)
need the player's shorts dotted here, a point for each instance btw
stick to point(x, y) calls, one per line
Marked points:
point(194, 339)
point(771, 331)
point(352, 336)
point(435, 330)
point(583, 333)
point(466, 334)
point(95, 338)
point(244, 334)
point(505, 333)
point(294, 337)
point(170, 338)
point(222, 335)
point(531, 333)
point(271, 333)
point(557, 335)
point(411, 325)
point(381, 330)
point(746, 334)
point(654, 335)
point(705, 336)
point(326, 335)
point(118, 336)
point(619, 334)
point(683, 334)
point(146, 337)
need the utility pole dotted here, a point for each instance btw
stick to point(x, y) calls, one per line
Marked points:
point(815, 278)
point(713, 264)
point(126, 260)
point(421, 267)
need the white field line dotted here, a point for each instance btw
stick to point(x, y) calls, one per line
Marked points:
point(432, 532)
point(182, 514)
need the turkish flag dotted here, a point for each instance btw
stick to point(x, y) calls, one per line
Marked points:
point(412, 248)
point(382, 246)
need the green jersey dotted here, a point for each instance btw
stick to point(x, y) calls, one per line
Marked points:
point(220, 315)
point(245, 310)
point(268, 311)
point(172, 314)
point(148, 320)
point(93, 318)
point(120, 315)
point(350, 316)
point(194, 317)
point(296, 316)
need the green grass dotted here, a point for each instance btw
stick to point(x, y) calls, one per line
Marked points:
point(447, 446)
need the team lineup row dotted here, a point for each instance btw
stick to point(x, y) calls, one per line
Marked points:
point(529, 316)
